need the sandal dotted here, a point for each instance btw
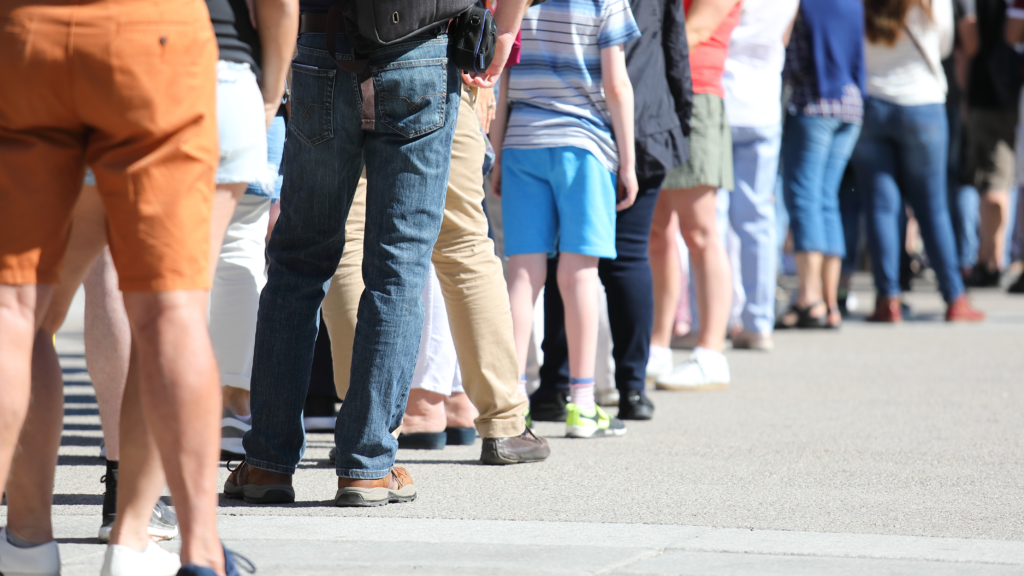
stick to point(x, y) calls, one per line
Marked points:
point(828, 318)
point(805, 320)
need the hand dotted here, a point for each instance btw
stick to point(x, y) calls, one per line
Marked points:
point(271, 108)
point(485, 108)
point(496, 178)
point(501, 51)
point(627, 187)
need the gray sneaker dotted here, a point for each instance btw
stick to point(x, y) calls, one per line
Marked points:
point(526, 447)
point(232, 429)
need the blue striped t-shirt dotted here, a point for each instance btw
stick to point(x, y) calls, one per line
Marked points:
point(555, 91)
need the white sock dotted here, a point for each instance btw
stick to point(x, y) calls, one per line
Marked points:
point(246, 419)
point(581, 393)
point(521, 388)
point(711, 354)
point(658, 353)
point(18, 542)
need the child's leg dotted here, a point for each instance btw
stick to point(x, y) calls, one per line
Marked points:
point(526, 275)
point(577, 281)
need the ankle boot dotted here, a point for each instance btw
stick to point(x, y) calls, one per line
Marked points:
point(886, 310)
point(960, 310)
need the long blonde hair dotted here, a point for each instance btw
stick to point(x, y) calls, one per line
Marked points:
point(884, 20)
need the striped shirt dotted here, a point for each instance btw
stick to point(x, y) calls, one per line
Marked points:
point(555, 91)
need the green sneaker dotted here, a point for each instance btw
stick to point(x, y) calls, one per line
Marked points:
point(529, 419)
point(597, 424)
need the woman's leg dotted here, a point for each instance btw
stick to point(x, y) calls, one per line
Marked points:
point(922, 160)
point(698, 213)
point(108, 343)
point(665, 270)
point(874, 162)
point(843, 141)
point(436, 365)
point(807, 142)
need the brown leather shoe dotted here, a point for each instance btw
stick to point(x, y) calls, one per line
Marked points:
point(258, 486)
point(960, 310)
point(396, 487)
point(886, 310)
point(515, 450)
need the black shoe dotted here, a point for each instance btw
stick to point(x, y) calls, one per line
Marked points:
point(163, 523)
point(1018, 286)
point(635, 405)
point(515, 450)
point(983, 277)
point(550, 409)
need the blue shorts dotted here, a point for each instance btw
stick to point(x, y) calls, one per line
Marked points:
point(564, 194)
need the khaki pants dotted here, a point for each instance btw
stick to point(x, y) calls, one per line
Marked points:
point(472, 282)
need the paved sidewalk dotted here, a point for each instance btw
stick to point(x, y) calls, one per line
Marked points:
point(872, 450)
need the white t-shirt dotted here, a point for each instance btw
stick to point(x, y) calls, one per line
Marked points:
point(753, 70)
point(900, 74)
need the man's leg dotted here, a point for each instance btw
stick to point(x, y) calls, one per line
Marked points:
point(474, 289)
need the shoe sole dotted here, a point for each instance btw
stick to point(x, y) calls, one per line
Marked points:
point(685, 388)
point(253, 494)
point(318, 423)
point(154, 533)
point(372, 497)
point(589, 432)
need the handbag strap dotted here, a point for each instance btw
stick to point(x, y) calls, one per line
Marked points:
point(931, 65)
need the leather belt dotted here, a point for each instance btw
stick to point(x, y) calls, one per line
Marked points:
point(312, 22)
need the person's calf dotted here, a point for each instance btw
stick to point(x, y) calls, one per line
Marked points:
point(459, 411)
point(424, 412)
point(236, 400)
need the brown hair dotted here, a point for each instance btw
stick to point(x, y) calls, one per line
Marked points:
point(884, 20)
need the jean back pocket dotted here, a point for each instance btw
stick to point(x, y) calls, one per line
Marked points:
point(312, 117)
point(411, 95)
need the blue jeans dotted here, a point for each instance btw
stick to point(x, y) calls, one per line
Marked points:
point(630, 291)
point(815, 152)
point(755, 153)
point(901, 157)
point(407, 153)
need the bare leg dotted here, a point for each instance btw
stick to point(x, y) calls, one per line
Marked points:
point(809, 270)
point(424, 412)
point(665, 271)
point(526, 275)
point(224, 203)
point(577, 281)
point(831, 268)
point(30, 487)
point(697, 212)
point(108, 342)
point(20, 307)
point(459, 411)
point(994, 209)
point(179, 392)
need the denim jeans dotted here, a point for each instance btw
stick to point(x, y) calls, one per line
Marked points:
point(755, 153)
point(815, 152)
point(630, 291)
point(901, 157)
point(406, 146)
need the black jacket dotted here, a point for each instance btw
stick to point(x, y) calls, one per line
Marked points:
point(658, 63)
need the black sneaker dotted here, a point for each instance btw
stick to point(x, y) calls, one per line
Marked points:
point(635, 405)
point(163, 523)
point(983, 277)
point(550, 409)
point(318, 414)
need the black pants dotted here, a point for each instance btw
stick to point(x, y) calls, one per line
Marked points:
point(630, 288)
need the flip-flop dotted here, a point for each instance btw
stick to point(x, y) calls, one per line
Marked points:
point(460, 436)
point(423, 441)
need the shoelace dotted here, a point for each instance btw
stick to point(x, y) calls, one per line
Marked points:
point(230, 469)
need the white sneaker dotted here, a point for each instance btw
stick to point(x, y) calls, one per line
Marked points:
point(41, 560)
point(153, 561)
point(659, 363)
point(705, 370)
point(231, 431)
point(608, 397)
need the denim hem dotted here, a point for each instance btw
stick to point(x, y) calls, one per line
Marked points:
point(263, 465)
point(362, 474)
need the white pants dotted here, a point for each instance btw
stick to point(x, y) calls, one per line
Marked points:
point(235, 298)
point(437, 366)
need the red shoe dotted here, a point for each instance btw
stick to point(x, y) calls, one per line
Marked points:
point(961, 311)
point(886, 310)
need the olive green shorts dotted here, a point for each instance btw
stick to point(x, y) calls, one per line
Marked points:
point(710, 162)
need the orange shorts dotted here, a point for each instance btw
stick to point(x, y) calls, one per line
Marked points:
point(129, 88)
